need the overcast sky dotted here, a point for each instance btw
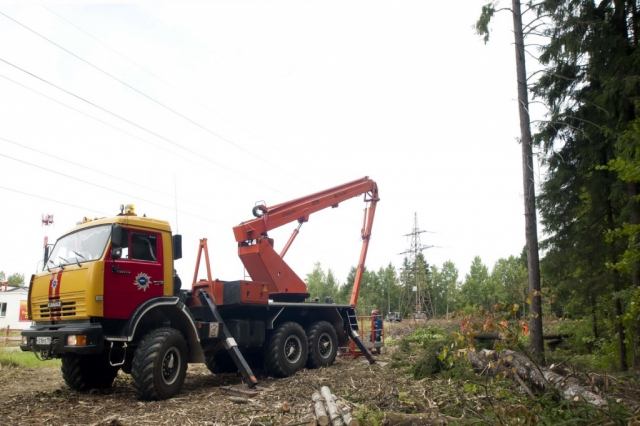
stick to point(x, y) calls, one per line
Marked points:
point(214, 106)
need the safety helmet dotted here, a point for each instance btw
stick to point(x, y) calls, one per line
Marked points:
point(375, 312)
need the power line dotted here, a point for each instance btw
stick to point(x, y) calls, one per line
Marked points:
point(121, 118)
point(106, 188)
point(109, 47)
point(28, 194)
point(95, 170)
point(140, 92)
point(50, 199)
point(164, 81)
point(81, 166)
point(111, 113)
point(97, 119)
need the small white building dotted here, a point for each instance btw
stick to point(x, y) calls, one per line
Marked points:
point(13, 307)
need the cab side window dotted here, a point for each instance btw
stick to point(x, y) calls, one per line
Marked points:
point(143, 247)
point(125, 244)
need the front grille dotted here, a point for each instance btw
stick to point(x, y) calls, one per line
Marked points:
point(73, 306)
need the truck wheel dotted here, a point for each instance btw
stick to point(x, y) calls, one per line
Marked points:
point(221, 362)
point(84, 372)
point(159, 364)
point(323, 345)
point(286, 350)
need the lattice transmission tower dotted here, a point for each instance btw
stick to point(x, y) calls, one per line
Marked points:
point(423, 302)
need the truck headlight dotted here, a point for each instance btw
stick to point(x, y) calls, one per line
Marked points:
point(24, 340)
point(77, 340)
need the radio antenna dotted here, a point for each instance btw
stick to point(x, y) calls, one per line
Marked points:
point(175, 190)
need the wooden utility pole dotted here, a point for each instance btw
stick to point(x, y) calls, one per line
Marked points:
point(531, 228)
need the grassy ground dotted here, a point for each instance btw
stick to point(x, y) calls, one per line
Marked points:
point(11, 357)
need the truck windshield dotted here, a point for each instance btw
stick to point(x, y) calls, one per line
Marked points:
point(82, 246)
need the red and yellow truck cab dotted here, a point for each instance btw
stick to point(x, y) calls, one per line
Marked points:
point(94, 279)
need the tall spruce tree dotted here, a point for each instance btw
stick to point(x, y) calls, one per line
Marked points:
point(591, 88)
point(531, 226)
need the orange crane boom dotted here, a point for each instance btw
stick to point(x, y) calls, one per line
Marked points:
point(263, 264)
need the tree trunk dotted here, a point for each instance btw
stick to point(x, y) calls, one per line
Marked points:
point(345, 411)
point(520, 367)
point(634, 219)
point(622, 347)
point(595, 318)
point(531, 228)
point(613, 258)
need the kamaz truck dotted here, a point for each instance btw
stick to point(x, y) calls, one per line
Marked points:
point(109, 299)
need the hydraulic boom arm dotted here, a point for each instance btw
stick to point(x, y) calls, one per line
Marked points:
point(256, 251)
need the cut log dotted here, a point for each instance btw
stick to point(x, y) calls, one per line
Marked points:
point(493, 362)
point(334, 414)
point(321, 413)
point(345, 411)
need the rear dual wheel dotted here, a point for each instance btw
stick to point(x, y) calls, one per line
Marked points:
point(286, 350)
point(323, 345)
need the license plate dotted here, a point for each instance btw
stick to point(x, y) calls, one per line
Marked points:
point(43, 340)
point(54, 304)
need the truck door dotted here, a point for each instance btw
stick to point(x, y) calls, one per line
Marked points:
point(136, 276)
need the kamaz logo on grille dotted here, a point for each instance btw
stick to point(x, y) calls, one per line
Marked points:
point(54, 304)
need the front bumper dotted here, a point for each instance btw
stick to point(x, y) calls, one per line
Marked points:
point(57, 344)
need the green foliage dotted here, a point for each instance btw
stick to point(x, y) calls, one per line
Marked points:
point(501, 319)
point(426, 334)
point(16, 280)
point(429, 362)
point(444, 288)
point(404, 346)
point(591, 145)
point(581, 338)
point(511, 277)
point(320, 284)
point(481, 27)
point(478, 287)
point(427, 365)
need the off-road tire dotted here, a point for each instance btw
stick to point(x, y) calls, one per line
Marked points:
point(84, 372)
point(323, 345)
point(286, 350)
point(159, 364)
point(221, 362)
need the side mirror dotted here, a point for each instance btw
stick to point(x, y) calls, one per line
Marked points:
point(46, 255)
point(177, 247)
point(116, 236)
point(116, 253)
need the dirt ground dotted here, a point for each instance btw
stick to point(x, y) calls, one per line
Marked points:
point(386, 391)
point(39, 396)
